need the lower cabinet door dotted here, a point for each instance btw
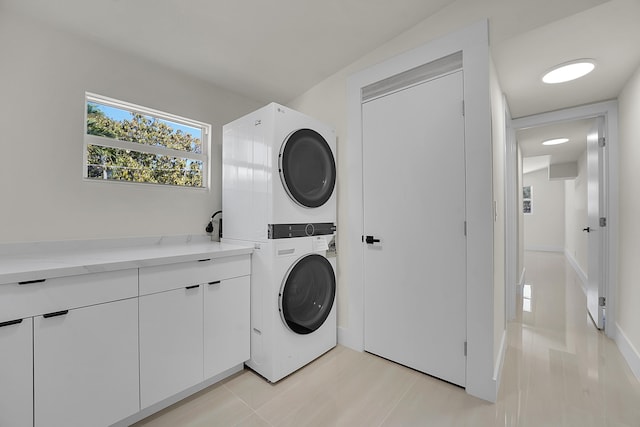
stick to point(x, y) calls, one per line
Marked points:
point(226, 324)
point(86, 365)
point(170, 343)
point(16, 373)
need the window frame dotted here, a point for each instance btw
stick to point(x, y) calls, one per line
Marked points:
point(204, 157)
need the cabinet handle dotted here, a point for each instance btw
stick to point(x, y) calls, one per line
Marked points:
point(203, 260)
point(192, 287)
point(11, 322)
point(28, 282)
point(215, 283)
point(55, 313)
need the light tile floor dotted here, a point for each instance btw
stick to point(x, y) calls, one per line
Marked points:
point(558, 371)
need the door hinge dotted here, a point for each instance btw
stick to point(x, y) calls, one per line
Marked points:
point(603, 222)
point(465, 348)
point(602, 142)
point(465, 228)
point(463, 108)
point(602, 301)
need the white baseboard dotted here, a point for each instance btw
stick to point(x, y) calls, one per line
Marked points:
point(576, 267)
point(543, 248)
point(628, 350)
point(497, 370)
point(346, 339)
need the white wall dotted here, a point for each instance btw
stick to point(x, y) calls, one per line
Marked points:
point(544, 227)
point(628, 318)
point(328, 102)
point(44, 75)
point(576, 216)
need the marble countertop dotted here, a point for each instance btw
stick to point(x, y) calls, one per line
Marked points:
point(44, 260)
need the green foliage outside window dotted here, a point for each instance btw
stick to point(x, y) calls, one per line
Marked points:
point(109, 163)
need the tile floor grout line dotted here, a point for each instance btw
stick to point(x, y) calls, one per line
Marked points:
point(238, 397)
point(415, 379)
point(253, 412)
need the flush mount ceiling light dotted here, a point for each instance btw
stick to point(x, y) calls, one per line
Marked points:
point(569, 71)
point(555, 141)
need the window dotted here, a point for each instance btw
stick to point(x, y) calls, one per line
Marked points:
point(526, 199)
point(130, 143)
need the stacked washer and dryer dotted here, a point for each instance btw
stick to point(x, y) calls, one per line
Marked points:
point(278, 182)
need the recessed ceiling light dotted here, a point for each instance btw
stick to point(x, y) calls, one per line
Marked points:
point(569, 71)
point(555, 141)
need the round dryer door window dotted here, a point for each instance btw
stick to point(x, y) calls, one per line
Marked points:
point(307, 168)
point(307, 294)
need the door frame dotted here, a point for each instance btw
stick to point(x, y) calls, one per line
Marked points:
point(609, 111)
point(473, 41)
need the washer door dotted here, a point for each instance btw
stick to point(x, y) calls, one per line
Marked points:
point(307, 168)
point(307, 294)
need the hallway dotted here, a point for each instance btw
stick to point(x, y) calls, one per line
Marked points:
point(559, 371)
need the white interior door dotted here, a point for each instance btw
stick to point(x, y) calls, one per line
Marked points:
point(595, 210)
point(414, 203)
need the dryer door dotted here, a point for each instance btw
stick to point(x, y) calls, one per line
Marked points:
point(307, 168)
point(307, 294)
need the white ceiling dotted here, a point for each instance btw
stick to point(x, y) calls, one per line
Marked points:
point(608, 33)
point(275, 50)
point(538, 156)
point(267, 50)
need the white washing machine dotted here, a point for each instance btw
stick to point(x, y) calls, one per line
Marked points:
point(293, 310)
point(279, 175)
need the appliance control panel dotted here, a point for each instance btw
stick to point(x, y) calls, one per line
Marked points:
point(285, 231)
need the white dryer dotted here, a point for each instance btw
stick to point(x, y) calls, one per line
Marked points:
point(293, 310)
point(279, 175)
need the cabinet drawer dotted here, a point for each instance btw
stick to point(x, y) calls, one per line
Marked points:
point(62, 293)
point(173, 276)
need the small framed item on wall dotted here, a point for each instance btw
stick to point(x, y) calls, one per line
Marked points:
point(526, 200)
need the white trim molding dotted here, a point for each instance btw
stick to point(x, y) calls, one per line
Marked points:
point(628, 350)
point(512, 210)
point(473, 42)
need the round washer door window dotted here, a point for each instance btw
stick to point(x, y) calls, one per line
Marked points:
point(307, 294)
point(307, 168)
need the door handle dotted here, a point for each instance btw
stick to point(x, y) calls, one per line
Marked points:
point(55, 314)
point(10, 322)
point(370, 240)
point(588, 229)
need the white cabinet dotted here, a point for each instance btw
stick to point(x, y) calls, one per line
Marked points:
point(96, 348)
point(16, 373)
point(170, 343)
point(86, 365)
point(180, 304)
point(226, 324)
